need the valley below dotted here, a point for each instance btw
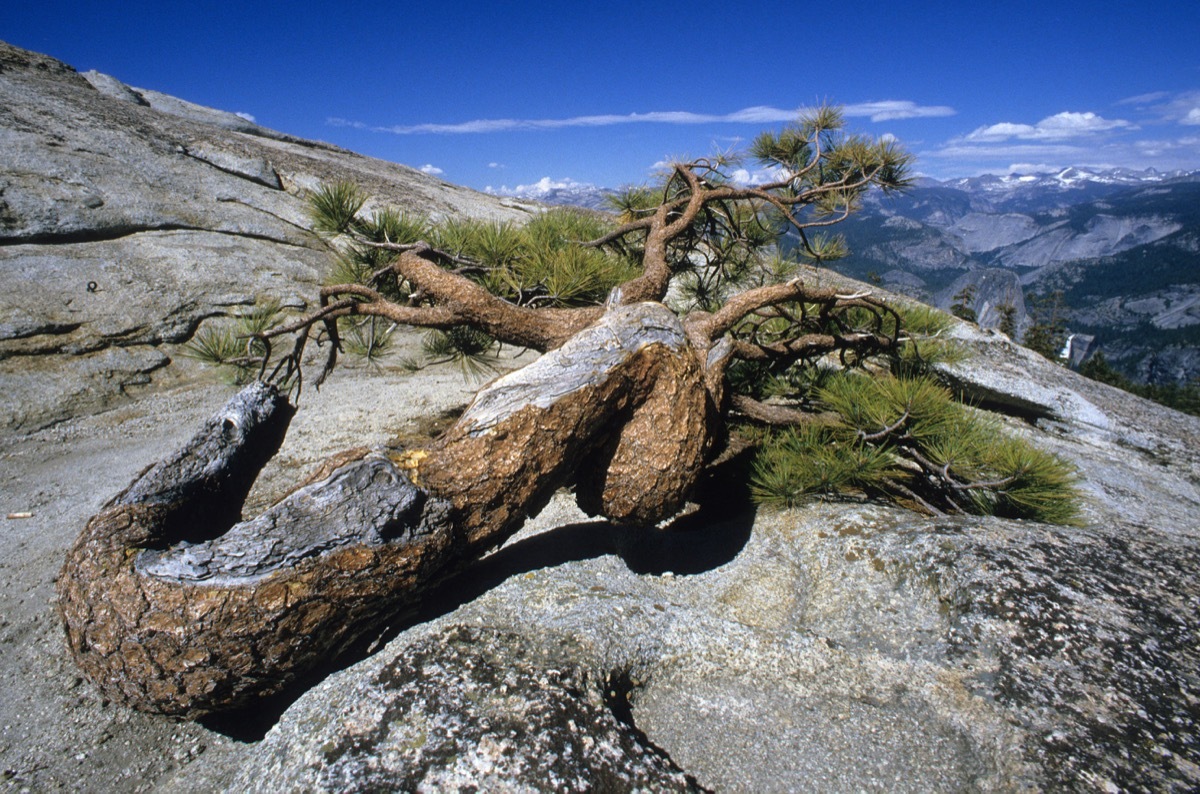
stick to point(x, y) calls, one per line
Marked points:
point(1119, 250)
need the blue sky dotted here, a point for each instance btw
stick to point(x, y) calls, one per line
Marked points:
point(506, 94)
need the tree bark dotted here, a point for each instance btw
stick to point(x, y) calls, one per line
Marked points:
point(171, 607)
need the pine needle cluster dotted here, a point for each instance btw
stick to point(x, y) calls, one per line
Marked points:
point(907, 439)
point(235, 344)
point(465, 346)
point(926, 340)
point(541, 263)
point(367, 338)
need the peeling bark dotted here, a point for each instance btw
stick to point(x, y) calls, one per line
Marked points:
point(172, 607)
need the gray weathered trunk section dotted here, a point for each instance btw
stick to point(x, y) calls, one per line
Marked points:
point(368, 502)
point(168, 618)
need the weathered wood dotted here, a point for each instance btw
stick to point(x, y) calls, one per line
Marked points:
point(203, 485)
point(204, 624)
point(620, 411)
point(171, 607)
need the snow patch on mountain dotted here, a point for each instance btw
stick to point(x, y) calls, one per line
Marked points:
point(1061, 179)
point(566, 192)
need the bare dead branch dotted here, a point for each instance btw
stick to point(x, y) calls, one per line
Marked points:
point(739, 306)
point(780, 415)
point(419, 246)
point(886, 431)
point(901, 488)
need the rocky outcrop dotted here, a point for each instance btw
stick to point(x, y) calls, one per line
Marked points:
point(469, 708)
point(1171, 365)
point(836, 646)
point(993, 289)
point(1101, 235)
point(980, 232)
point(128, 217)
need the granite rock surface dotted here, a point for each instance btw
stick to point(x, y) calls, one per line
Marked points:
point(128, 217)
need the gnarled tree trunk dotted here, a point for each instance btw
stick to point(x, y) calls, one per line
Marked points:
point(172, 607)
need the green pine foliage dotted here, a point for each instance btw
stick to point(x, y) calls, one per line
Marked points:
point(632, 202)
point(1008, 320)
point(908, 440)
point(964, 304)
point(1025, 482)
point(540, 263)
point(466, 347)
point(215, 344)
point(922, 321)
point(392, 226)
point(1047, 334)
point(799, 462)
point(925, 340)
point(335, 206)
point(366, 338)
point(232, 343)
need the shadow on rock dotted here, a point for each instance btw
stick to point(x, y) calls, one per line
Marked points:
point(700, 541)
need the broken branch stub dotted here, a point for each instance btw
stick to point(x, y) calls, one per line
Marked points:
point(172, 607)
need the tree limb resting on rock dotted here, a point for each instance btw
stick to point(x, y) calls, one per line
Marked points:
point(172, 607)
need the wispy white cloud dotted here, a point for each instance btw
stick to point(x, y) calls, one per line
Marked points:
point(1143, 138)
point(965, 151)
point(1183, 108)
point(497, 165)
point(1186, 149)
point(1059, 127)
point(893, 110)
point(758, 114)
point(431, 169)
point(246, 116)
point(738, 176)
point(1144, 99)
point(960, 158)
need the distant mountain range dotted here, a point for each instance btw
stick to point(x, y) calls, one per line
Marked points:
point(1067, 180)
point(565, 192)
point(1123, 246)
